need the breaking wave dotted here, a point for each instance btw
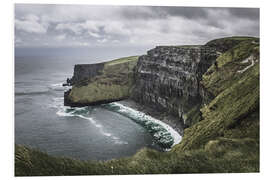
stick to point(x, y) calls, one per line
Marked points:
point(58, 87)
point(39, 90)
point(31, 92)
point(163, 134)
point(84, 113)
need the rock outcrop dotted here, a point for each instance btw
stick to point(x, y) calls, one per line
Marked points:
point(94, 84)
point(86, 71)
point(168, 77)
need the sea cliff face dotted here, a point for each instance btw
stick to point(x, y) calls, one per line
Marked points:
point(168, 77)
point(226, 139)
point(86, 71)
point(94, 84)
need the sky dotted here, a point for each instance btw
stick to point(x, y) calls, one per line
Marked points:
point(127, 27)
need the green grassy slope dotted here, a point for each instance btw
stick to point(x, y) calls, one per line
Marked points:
point(224, 44)
point(114, 83)
point(226, 140)
point(234, 112)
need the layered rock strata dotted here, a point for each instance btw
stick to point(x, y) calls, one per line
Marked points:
point(168, 77)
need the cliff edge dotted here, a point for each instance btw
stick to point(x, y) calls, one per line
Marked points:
point(226, 137)
point(94, 84)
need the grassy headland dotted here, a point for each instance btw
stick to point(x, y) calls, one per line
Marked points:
point(226, 140)
point(114, 82)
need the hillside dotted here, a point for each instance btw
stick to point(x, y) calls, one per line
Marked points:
point(111, 81)
point(223, 138)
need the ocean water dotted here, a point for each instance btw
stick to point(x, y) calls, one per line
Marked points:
point(97, 133)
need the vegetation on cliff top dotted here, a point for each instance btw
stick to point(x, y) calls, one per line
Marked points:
point(236, 102)
point(224, 44)
point(226, 140)
point(114, 82)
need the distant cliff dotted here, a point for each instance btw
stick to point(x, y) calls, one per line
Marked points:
point(83, 72)
point(100, 83)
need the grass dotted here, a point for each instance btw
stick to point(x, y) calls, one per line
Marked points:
point(216, 79)
point(189, 46)
point(224, 44)
point(192, 116)
point(231, 40)
point(225, 140)
point(236, 101)
point(122, 60)
point(218, 156)
point(114, 83)
point(183, 46)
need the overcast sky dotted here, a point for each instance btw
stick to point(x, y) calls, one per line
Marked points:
point(93, 26)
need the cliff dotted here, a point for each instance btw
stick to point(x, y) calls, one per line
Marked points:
point(94, 84)
point(231, 118)
point(226, 137)
point(83, 72)
point(168, 77)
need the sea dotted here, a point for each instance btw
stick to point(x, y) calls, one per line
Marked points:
point(102, 132)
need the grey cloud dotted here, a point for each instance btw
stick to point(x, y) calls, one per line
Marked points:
point(246, 13)
point(84, 25)
point(155, 12)
point(141, 12)
point(30, 26)
point(148, 12)
point(187, 12)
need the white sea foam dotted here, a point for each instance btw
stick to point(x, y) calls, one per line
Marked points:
point(58, 87)
point(107, 134)
point(82, 112)
point(56, 84)
point(32, 91)
point(134, 114)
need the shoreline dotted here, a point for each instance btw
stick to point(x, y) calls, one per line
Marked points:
point(173, 122)
point(162, 132)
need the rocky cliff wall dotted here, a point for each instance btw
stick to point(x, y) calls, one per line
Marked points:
point(94, 84)
point(227, 140)
point(86, 71)
point(168, 77)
